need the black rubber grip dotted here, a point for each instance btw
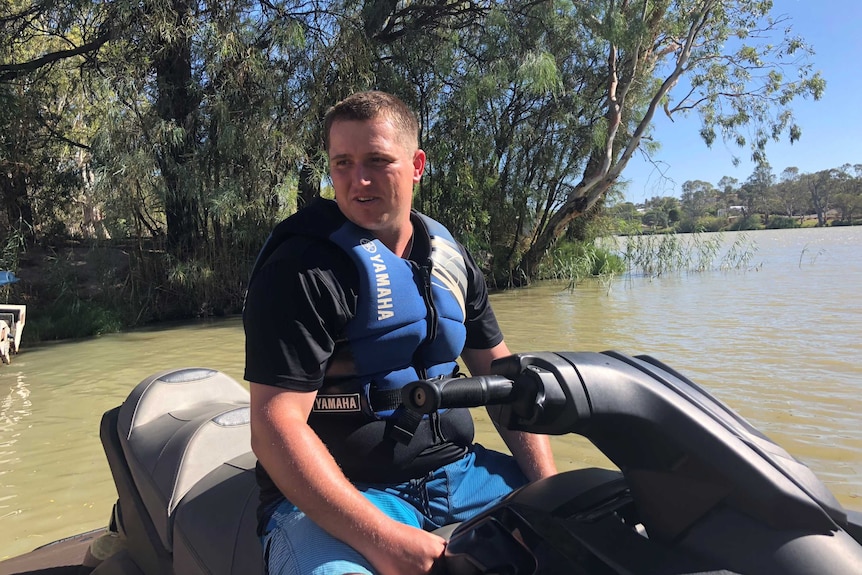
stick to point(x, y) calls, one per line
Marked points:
point(427, 396)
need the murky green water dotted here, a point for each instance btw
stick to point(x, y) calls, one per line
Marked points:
point(779, 342)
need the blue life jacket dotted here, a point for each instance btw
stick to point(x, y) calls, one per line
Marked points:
point(409, 321)
point(409, 318)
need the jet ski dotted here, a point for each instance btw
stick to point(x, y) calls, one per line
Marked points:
point(697, 490)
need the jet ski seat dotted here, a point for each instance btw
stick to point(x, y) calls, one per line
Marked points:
point(185, 438)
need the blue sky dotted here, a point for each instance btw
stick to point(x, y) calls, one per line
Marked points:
point(831, 126)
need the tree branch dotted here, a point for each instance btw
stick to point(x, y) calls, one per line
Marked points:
point(12, 71)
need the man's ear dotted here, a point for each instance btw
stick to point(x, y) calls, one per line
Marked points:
point(418, 165)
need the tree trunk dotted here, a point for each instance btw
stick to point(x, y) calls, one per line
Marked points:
point(16, 204)
point(816, 201)
point(177, 107)
point(556, 227)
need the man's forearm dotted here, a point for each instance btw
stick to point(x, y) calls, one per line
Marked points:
point(532, 452)
point(308, 476)
point(305, 472)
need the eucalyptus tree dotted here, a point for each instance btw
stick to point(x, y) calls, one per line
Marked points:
point(820, 187)
point(627, 213)
point(698, 198)
point(201, 151)
point(659, 211)
point(20, 143)
point(731, 61)
point(201, 100)
point(848, 197)
point(757, 191)
point(506, 139)
point(728, 192)
point(45, 116)
point(789, 193)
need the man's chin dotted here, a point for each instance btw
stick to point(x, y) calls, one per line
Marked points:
point(369, 222)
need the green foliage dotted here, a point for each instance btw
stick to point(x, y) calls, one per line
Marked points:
point(575, 261)
point(782, 222)
point(70, 318)
point(187, 130)
point(539, 74)
point(73, 293)
point(711, 224)
point(13, 245)
point(763, 200)
point(749, 222)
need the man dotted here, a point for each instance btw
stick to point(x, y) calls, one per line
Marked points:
point(349, 301)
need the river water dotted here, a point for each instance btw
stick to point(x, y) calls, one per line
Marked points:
point(777, 340)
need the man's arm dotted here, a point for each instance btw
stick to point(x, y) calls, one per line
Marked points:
point(532, 452)
point(305, 472)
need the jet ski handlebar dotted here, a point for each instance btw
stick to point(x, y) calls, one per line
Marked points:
point(538, 393)
point(428, 395)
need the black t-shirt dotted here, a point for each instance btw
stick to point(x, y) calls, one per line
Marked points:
point(295, 315)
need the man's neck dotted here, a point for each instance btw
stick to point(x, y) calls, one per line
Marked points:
point(400, 242)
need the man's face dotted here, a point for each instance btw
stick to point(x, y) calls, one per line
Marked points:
point(373, 172)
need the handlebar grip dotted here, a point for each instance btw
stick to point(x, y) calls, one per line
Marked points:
point(427, 396)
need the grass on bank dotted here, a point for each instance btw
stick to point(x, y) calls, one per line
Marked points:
point(574, 262)
point(647, 255)
point(72, 318)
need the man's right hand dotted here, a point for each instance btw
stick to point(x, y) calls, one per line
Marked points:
point(410, 551)
point(305, 472)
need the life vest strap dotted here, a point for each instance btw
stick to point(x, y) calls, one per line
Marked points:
point(385, 399)
point(404, 423)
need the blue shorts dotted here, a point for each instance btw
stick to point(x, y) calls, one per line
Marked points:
point(294, 545)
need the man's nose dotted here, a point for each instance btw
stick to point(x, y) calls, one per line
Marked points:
point(361, 175)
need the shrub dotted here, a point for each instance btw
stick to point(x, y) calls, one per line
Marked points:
point(574, 261)
point(71, 318)
point(781, 223)
point(750, 222)
point(702, 224)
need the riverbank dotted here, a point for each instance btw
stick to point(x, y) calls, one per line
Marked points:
point(81, 290)
point(70, 292)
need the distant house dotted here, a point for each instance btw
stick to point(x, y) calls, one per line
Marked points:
point(730, 211)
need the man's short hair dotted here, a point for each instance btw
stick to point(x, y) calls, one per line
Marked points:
point(371, 105)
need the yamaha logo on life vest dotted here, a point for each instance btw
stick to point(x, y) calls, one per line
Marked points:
point(368, 245)
point(337, 403)
point(381, 281)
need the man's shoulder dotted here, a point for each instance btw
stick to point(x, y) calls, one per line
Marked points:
point(306, 252)
point(433, 227)
point(305, 233)
point(316, 219)
point(301, 246)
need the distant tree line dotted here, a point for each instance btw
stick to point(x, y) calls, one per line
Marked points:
point(827, 197)
point(183, 130)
